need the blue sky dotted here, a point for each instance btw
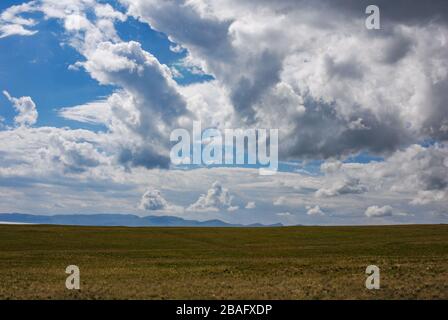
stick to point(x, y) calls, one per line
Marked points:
point(39, 65)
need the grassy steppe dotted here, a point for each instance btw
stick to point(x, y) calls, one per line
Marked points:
point(223, 263)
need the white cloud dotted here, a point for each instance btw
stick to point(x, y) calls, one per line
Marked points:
point(127, 65)
point(72, 155)
point(152, 200)
point(284, 214)
point(414, 170)
point(378, 212)
point(314, 211)
point(217, 198)
point(26, 108)
point(425, 197)
point(14, 29)
point(348, 186)
point(107, 11)
point(279, 201)
point(12, 23)
point(250, 205)
point(98, 112)
point(331, 166)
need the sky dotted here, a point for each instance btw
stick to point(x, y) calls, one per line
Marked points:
point(90, 91)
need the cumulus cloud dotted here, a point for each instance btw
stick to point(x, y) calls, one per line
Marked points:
point(347, 186)
point(427, 197)
point(280, 66)
point(146, 107)
point(416, 174)
point(250, 205)
point(264, 67)
point(279, 201)
point(48, 150)
point(140, 114)
point(314, 211)
point(151, 93)
point(26, 109)
point(72, 155)
point(216, 199)
point(152, 200)
point(330, 112)
point(331, 166)
point(378, 212)
point(13, 23)
point(416, 169)
point(126, 64)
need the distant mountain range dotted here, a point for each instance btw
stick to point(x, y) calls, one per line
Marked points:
point(127, 220)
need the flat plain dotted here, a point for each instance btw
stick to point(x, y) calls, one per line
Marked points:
point(224, 263)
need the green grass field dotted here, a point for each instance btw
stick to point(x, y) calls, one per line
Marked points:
point(224, 263)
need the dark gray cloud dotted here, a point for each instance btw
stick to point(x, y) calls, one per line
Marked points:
point(397, 48)
point(348, 69)
point(185, 25)
point(322, 133)
point(250, 87)
point(145, 157)
point(436, 123)
point(433, 172)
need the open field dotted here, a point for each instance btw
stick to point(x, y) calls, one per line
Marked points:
point(223, 263)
